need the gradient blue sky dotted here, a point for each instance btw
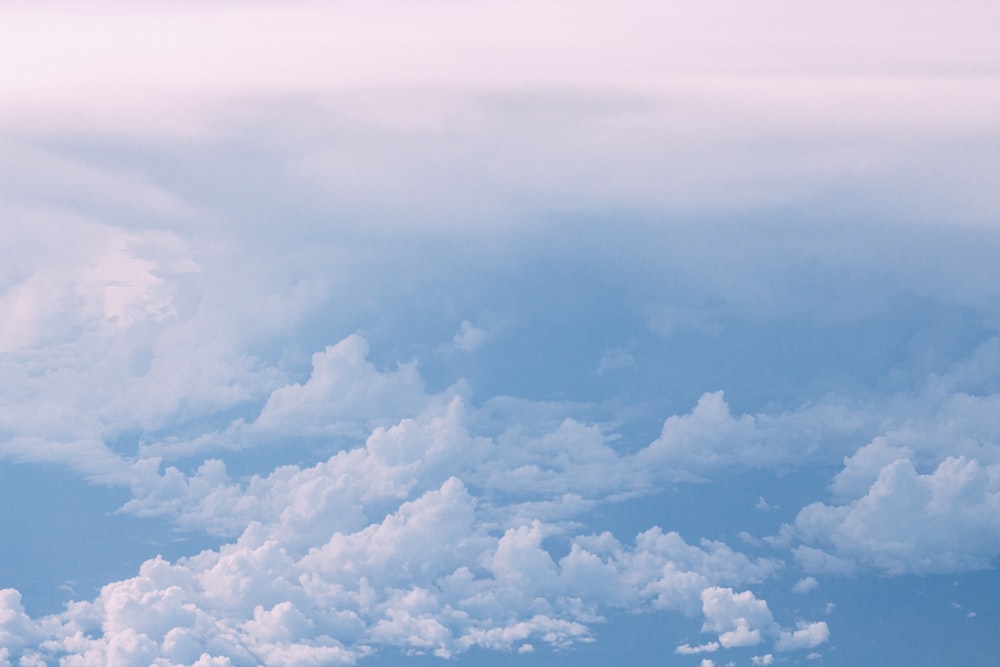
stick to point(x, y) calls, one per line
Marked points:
point(521, 333)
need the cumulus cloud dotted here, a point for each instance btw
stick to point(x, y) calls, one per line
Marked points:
point(408, 457)
point(807, 635)
point(742, 619)
point(686, 649)
point(427, 578)
point(739, 618)
point(16, 628)
point(343, 390)
point(805, 585)
point(910, 522)
point(404, 523)
point(554, 474)
point(861, 469)
point(385, 545)
point(710, 437)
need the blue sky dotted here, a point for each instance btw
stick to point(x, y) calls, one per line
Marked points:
point(499, 334)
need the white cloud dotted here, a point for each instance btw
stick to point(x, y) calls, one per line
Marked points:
point(861, 469)
point(555, 474)
point(16, 628)
point(404, 469)
point(807, 635)
point(575, 457)
point(431, 573)
point(469, 337)
point(907, 522)
point(765, 659)
point(711, 437)
point(410, 457)
point(805, 585)
point(116, 331)
point(319, 557)
point(429, 576)
point(343, 390)
point(739, 618)
point(685, 649)
point(125, 334)
point(741, 635)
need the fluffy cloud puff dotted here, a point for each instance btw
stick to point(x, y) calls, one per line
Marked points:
point(739, 618)
point(910, 522)
point(16, 628)
point(807, 635)
point(711, 437)
point(922, 497)
point(344, 389)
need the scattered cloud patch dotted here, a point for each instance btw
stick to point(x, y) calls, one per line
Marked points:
point(805, 585)
point(685, 649)
point(945, 520)
point(469, 337)
point(764, 506)
point(615, 359)
point(343, 390)
point(807, 635)
point(739, 618)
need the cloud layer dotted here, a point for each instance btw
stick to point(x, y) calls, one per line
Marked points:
point(402, 314)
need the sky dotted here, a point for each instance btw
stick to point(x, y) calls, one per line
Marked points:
point(499, 333)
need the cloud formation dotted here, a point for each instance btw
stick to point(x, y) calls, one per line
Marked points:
point(427, 578)
point(385, 545)
point(668, 224)
point(907, 522)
